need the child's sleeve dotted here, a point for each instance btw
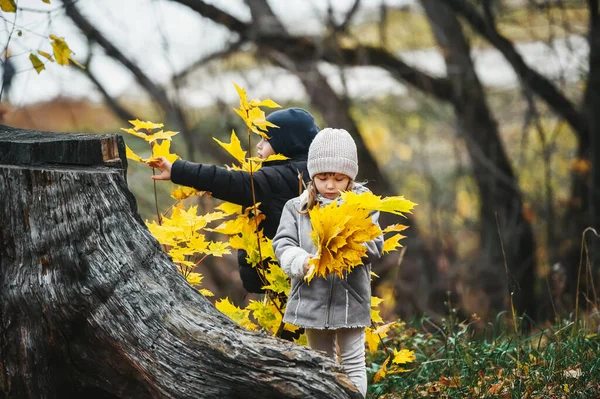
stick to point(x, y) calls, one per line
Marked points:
point(228, 185)
point(286, 243)
point(375, 246)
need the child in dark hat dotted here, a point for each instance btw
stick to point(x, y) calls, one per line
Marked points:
point(274, 183)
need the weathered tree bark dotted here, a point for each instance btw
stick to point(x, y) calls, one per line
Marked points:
point(91, 306)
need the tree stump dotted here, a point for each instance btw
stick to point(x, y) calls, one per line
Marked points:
point(90, 306)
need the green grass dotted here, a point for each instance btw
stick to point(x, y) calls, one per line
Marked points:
point(460, 360)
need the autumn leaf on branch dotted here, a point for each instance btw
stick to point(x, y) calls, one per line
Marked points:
point(62, 52)
point(277, 279)
point(8, 5)
point(240, 316)
point(252, 115)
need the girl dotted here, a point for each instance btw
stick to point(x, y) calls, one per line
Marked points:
point(332, 310)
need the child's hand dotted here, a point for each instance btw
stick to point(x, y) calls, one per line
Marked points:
point(306, 265)
point(164, 166)
point(308, 270)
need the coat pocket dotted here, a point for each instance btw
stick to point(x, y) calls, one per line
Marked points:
point(352, 291)
point(295, 290)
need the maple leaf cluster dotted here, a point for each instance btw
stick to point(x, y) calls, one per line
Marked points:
point(341, 230)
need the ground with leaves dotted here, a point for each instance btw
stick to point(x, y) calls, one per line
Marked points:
point(454, 360)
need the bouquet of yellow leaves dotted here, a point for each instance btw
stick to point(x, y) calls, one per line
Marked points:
point(340, 230)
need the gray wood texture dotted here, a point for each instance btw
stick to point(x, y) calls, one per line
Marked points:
point(91, 307)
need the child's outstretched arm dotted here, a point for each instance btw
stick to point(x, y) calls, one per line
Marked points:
point(164, 166)
point(286, 244)
point(228, 185)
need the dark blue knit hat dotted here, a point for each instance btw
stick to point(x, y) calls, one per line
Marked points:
point(297, 129)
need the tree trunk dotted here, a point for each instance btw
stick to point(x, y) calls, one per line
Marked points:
point(501, 202)
point(90, 306)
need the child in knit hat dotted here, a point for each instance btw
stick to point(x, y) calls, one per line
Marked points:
point(274, 183)
point(333, 309)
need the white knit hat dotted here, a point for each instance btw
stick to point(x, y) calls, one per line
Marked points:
point(333, 151)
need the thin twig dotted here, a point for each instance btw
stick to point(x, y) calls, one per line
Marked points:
point(511, 293)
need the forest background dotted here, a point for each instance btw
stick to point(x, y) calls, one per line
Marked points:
point(483, 113)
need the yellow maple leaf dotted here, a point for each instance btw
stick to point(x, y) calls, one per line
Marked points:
point(62, 52)
point(395, 228)
point(38, 65)
point(240, 316)
point(274, 157)
point(264, 103)
point(218, 248)
point(251, 113)
point(302, 340)
point(147, 125)
point(278, 281)
point(132, 155)
point(135, 133)
point(266, 314)
point(230, 208)
point(194, 278)
point(372, 339)
point(403, 356)
point(375, 301)
point(243, 98)
point(183, 192)
point(392, 243)
point(374, 336)
point(186, 218)
point(197, 243)
point(8, 5)
point(234, 148)
point(163, 150)
point(256, 119)
point(206, 292)
point(375, 316)
point(161, 136)
point(46, 55)
point(382, 371)
point(397, 205)
point(166, 235)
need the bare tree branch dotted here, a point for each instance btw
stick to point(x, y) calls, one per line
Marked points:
point(232, 48)
point(349, 16)
point(303, 48)
point(264, 20)
point(173, 113)
point(538, 83)
point(119, 110)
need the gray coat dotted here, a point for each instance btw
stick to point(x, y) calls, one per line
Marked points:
point(331, 302)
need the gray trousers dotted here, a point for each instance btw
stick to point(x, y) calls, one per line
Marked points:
point(351, 342)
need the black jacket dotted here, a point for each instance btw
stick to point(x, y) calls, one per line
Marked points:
point(274, 184)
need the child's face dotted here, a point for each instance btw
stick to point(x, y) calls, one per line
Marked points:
point(264, 149)
point(329, 185)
